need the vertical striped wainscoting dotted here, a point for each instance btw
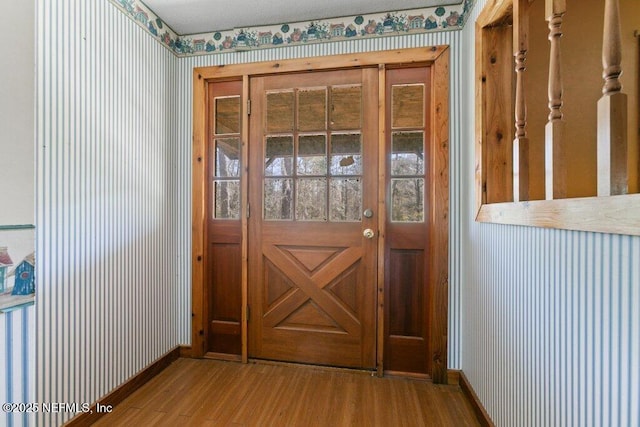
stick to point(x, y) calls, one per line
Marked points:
point(551, 326)
point(183, 121)
point(17, 363)
point(550, 318)
point(110, 261)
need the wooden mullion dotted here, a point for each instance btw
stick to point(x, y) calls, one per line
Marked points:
point(244, 216)
point(198, 214)
point(439, 222)
point(382, 214)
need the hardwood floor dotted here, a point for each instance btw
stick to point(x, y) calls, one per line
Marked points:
point(200, 392)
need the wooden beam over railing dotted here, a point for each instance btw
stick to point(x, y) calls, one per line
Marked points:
point(521, 142)
point(612, 109)
point(555, 153)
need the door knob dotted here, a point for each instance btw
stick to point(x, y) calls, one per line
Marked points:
point(368, 233)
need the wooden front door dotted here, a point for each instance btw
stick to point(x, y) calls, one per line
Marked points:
point(290, 169)
point(313, 194)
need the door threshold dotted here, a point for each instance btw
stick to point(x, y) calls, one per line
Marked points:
point(372, 372)
point(407, 375)
point(223, 356)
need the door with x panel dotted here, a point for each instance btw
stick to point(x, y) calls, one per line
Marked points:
point(312, 227)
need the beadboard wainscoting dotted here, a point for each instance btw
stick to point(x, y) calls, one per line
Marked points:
point(17, 363)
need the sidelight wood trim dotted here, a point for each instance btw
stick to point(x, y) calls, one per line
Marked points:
point(439, 227)
point(382, 217)
point(198, 225)
point(435, 56)
point(352, 60)
point(244, 214)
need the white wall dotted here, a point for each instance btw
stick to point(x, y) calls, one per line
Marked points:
point(550, 318)
point(106, 206)
point(17, 170)
point(17, 103)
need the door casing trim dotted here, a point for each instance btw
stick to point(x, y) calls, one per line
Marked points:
point(436, 57)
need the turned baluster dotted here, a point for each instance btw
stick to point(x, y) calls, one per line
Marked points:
point(555, 153)
point(521, 142)
point(612, 109)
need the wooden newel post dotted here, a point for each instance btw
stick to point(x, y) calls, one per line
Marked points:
point(521, 142)
point(612, 110)
point(555, 153)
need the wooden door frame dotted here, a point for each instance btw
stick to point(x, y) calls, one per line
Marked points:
point(437, 57)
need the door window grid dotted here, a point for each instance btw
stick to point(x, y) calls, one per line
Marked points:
point(226, 153)
point(407, 153)
point(314, 172)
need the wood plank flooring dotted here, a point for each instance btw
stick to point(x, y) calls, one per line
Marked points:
point(200, 392)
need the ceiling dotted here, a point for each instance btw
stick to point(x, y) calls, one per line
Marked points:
point(203, 16)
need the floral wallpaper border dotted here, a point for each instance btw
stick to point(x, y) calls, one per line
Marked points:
point(438, 18)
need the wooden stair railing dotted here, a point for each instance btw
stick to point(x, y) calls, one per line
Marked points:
point(555, 153)
point(612, 107)
point(521, 159)
point(612, 110)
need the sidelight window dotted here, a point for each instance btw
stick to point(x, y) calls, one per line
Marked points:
point(226, 161)
point(407, 153)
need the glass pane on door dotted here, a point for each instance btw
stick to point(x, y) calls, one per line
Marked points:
point(407, 105)
point(280, 111)
point(407, 156)
point(312, 110)
point(227, 157)
point(227, 199)
point(312, 155)
point(346, 107)
point(311, 199)
point(313, 172)
point(346, 154)
point(407, 153)
point(278, 199)
point(407, 199)
point(279, 156)
point(227, 115)
point(345, 199)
